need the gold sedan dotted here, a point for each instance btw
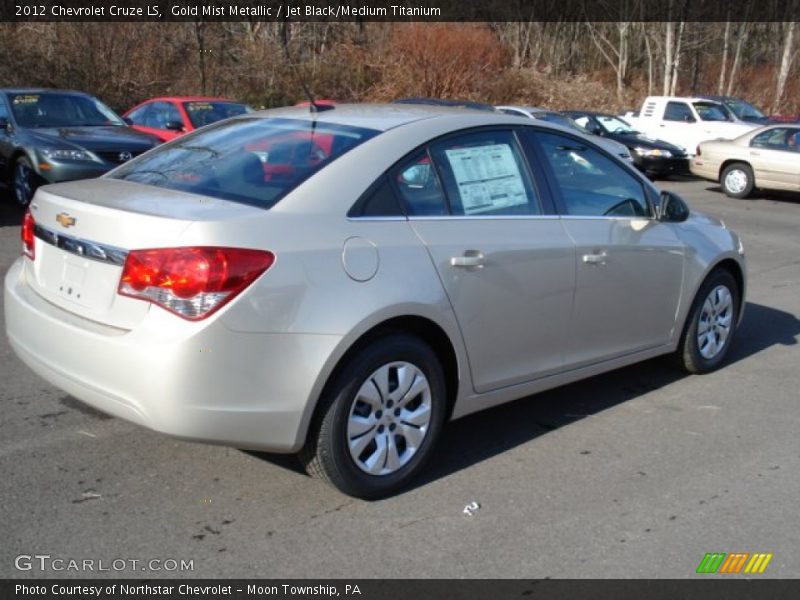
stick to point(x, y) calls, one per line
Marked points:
point(766, 158)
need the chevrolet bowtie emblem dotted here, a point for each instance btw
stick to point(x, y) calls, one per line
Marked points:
point(65, 220)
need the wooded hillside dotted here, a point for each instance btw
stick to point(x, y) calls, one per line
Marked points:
point(558, 65)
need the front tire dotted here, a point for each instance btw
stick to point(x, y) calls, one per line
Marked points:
point(711, 324)
point(737, 180)
point(379, 419)
point(24, 181)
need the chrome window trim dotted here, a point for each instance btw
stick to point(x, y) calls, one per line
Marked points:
point(505, 218)
point(607, 217)
point(80, 247)
point(378, 218)
point(483, 218)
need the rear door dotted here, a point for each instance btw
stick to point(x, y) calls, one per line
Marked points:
point(775, 157)
point(505, 261)
point(629, 265)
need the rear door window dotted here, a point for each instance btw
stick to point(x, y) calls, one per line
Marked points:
point(780, 138)
point(484, 174)
point(417, 184)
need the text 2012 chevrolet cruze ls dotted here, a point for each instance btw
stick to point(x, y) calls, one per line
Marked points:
point(340, 283)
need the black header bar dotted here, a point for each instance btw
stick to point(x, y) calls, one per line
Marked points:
point(398, 10)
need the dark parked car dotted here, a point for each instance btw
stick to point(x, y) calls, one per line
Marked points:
point(741, 110)
point(47, 136)
point(653, 157)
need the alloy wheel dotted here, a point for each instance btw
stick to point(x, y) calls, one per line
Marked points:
point(389, 418)
point(715, 321)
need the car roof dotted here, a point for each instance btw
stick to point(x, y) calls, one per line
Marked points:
point(720, 98)
point(531, 109)
point(189, 99)
point(684, 98)
point(445, 102)
point(594, 113)
point(381, 117)
point(41, 91)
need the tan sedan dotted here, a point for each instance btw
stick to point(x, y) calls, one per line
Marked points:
point(767, 158)
point(340, 283)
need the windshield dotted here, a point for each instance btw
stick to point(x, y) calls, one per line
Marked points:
point(254, 161)
point(711, 111)
point(61, 110)
point(614, 124)
point(204, 113)
point(743, 109)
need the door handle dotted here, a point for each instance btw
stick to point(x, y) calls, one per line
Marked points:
point(471, 258)
point(595, 259)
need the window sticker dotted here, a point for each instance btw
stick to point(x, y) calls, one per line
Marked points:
point(25, 100)
point(488, 178)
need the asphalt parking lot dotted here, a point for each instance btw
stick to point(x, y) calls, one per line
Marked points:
point(636, 473)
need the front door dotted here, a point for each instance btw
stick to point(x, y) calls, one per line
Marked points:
point(629, 265)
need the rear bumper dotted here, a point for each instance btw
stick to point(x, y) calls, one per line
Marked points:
point(198, 381)
point(706, 170)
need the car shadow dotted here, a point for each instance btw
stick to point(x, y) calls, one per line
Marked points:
point(679, 177)
point(481, 436)
point(774, 195)
point(10, 212)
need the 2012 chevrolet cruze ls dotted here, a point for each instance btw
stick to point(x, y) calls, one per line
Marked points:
point(339, 284)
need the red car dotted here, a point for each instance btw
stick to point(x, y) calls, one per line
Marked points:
point(167, 118)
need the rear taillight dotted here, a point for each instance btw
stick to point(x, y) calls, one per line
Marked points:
point(28, 247)
point(191, 282)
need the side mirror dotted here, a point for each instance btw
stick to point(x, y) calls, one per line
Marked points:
point(4, 124)
point(128, 121)
point(672, 208)
point(595, 129)
point(174, 126)
point(689, 119)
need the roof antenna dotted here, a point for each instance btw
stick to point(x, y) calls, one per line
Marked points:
point(313, 107)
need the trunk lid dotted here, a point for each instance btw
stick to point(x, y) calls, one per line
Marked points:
point(85, 229)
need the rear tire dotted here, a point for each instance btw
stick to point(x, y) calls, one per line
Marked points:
point(737, 180)
point(711, 324)
point(379, 419)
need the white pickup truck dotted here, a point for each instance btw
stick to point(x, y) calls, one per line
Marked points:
point(686, 122)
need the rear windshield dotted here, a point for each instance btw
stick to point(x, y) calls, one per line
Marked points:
point(253, 161)
point(204, 113)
